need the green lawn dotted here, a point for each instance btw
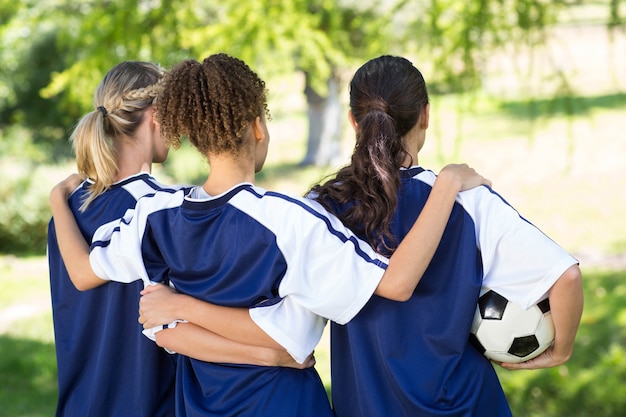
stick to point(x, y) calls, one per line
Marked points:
point(590, 385)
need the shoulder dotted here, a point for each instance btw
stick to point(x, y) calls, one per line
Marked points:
point(293, 205)
point(145, 185)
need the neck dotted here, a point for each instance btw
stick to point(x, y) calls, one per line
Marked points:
point(226, 172)
point(132, 160)
point(135, 154)
point(413, 142)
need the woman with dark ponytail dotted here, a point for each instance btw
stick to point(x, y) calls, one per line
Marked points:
point(413, 358)
point(384, 120)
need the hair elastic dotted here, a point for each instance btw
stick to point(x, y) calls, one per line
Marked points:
point(103, 110)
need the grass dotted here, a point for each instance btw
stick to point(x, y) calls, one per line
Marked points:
point(591, 384)
point(27, 376)
point(28, 362)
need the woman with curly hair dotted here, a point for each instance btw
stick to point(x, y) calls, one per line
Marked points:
point(231, 243)
point(115, 146)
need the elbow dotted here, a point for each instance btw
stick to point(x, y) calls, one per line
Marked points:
point(403, 295)
point(160, 339)
point(165, 339)
point(82, 286)
point(84, 279)
point(85, 284)
point(575, 276)
point(395, 292)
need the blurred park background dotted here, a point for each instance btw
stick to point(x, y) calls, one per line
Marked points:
point(532, 93)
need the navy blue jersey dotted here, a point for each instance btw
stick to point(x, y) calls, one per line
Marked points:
point(246, 247)
point(106, 367)
point(413, 358)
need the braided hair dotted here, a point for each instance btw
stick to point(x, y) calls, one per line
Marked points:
point(120, 101)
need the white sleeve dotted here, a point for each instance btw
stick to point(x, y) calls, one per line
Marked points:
point(116, 253)
point(294, 327)
point(334, 285)
point(519, 261)
point(331, 274)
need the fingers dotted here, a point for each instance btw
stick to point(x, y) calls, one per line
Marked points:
point(545, 360)
point(486, 181)
point(151, 288)
point(144, 322)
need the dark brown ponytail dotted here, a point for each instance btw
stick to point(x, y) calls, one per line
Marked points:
point(387, 95)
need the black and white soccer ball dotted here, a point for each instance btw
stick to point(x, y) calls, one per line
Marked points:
point(505, 332)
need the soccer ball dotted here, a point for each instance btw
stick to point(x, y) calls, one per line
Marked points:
point(505, 332)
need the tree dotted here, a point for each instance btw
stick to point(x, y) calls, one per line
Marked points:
point(317, 37)
point(321, 38)
point(275, 37)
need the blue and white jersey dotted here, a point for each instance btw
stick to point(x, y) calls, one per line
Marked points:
point(246, 248)
point(105, 366)
point(413, 358)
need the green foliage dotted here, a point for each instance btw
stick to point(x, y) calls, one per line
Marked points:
point(96, 35)
point(28, 378)
point(591, 384)
point(29, 55)
point(454, 38)
point(54, 52)
point(24, 211)
point(278, 37)
point(185, 165)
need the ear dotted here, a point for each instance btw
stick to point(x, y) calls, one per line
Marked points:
point(257, 127)
point(352, 121)
point(425, 116)
point(152, 114)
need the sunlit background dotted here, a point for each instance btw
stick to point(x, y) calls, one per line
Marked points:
point(530, 93)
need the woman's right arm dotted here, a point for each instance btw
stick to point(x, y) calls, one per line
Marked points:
point(72, 246)
point(161, 304)
point(195, 342)
point(410, 260)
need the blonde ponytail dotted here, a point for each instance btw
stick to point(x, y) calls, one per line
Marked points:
point(120, 100)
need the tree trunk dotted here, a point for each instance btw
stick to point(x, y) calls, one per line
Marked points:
point(325, 123)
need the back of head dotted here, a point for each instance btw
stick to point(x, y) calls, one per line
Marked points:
point(120, 101)
point(211, 103)
point(391, 86)
point(387, 96)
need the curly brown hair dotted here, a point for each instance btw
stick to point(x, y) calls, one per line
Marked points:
point(211, 103)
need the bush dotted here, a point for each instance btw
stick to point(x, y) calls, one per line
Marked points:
point(24, 209)
point(591, 384)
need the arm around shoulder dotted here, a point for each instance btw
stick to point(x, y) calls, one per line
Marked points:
point(73, 247)
point(413, 255)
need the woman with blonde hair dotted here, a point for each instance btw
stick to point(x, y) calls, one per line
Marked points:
point(106, 367)
point(100, 352)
